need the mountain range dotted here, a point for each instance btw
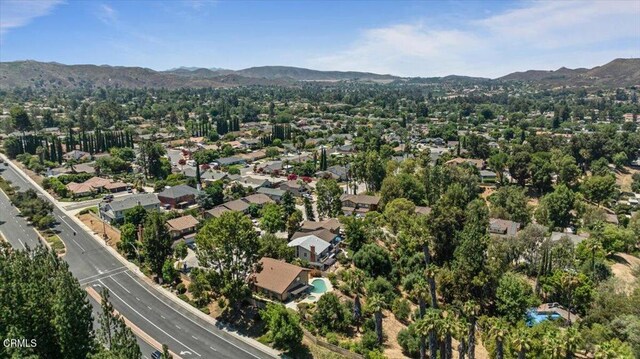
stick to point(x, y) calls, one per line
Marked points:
point(51, 75)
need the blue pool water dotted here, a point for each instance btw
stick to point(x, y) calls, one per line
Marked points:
point(534, 317)
point(319, 286)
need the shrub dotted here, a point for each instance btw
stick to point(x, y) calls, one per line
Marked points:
point(401, 309)
point(332, 338)
point(333, 278)
point(181, 288)
point(315, 273)
point(369, 340)
point(409, 341)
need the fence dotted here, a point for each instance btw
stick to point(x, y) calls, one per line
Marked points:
point(334, 348)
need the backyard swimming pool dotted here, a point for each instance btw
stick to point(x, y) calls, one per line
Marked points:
point(534, 317)
point(319, 286)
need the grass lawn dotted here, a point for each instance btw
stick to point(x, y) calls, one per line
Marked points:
point(55, 242)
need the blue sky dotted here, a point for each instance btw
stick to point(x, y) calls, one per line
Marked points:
point(408, 38)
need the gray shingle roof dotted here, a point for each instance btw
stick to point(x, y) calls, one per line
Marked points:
point(178, 191)
point(128, 202)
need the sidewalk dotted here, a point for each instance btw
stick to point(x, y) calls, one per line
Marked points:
point(133, 268)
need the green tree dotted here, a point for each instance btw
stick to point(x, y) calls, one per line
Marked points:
point(288, 204)
point(514, 296)
point(136, 215)
point(114, 334)
point(510, 202)
point(156, 242)
point(212, 195)
point(165, 352)
point(128, 240)
point(294, 222)
point(329, 204)
point(308, 209)
point(498, 163)
point(20, 119)
point(399, 213)
point(275, 247)
point(373, 260)
point(283, 326)
point(599, 189)
point(228, 246)
point(272, 218)
point(555, 208)
point(376, 304)
point(331, 315)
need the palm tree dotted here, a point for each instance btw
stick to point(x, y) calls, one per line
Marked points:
point(354, 281)
point(572, 340)
point(70, 165)
point(471, 310)
point(428, 326)
point(446, 330)
point(553, 346)
point(521, 341)
point(593, 246)
point(376, 303)
point(461, 333)
point(496, 329)
point(420, 291)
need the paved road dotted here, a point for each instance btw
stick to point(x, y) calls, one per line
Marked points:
point(141, 303)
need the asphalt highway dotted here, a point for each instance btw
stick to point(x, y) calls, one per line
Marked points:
point(185, 333)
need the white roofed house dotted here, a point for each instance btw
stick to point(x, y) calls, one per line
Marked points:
point(114, 211)
point(318, 252)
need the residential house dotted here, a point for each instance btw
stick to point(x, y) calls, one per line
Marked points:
point(254, 156)
point(114, 211)
point(229, 161)
point(76, 155)
point(98, 183)
point(259, 199)
point(324, 234)
point(330, 224)
point(179, 196)
point(313, 249)
point(359, 203)
point(237, 205)
point(253, 182)
point(574, 238)
point(479, 164)
point(488, 176)
point(503, 227)
point(280, 280)
point(216, 211)
point(423, 210)
point(113, 187)
point(80, 189)
point(297, 187)
point(339, 173)
point(273, 193)
point(182, 226)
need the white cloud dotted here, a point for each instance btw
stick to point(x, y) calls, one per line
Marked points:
point(541, 34)
point(16, 13)
point(107, 14)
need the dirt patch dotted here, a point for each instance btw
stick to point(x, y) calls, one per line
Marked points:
point(392, 327)
point(99, 227)
point(624, 180)
point(623, 270)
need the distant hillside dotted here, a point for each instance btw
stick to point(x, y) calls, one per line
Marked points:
point(51, 75)
point(301, 74)
point(617, 73)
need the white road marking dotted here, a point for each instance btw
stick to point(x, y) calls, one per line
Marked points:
point(214, 349)
point(97, 275)
point(150, 322)
point(162, 316)
point(194, 337)
point(138, 299)
point(149, 307)
point(178, 327)
point(192, 321)
point(121, 286)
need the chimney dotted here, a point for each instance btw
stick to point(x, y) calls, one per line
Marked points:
point(312, 257)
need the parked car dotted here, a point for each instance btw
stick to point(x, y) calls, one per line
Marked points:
point(156, 355)
point(108, 197)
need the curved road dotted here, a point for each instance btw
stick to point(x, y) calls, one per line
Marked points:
point(185, 333)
